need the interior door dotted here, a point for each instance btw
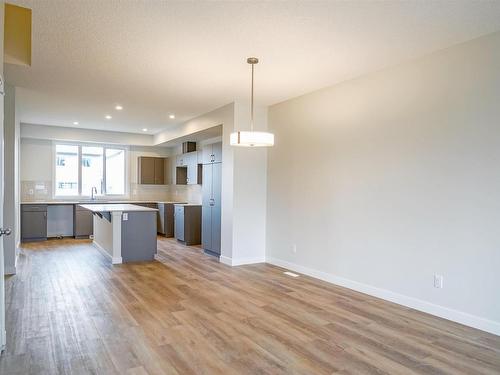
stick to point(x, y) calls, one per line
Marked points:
point(2, 267)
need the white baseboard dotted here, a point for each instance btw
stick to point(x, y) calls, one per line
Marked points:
point(414, 303)
point(10, 270)
point(226, 260)
point(114, 260)
point(241, 261)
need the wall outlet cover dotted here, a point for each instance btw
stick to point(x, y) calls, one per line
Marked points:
point(438, 281)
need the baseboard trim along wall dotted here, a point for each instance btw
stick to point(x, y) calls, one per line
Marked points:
point(240, 261)
point(414, 303)
point(117, 260)
point(10, 270)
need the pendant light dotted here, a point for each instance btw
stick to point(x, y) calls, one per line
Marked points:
point(252, 138)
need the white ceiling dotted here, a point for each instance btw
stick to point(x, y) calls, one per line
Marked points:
point(158, 57)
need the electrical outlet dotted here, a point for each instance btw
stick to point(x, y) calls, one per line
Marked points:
point(125, 216)
point(294, 248)
point(438, 281)
point(31, 192)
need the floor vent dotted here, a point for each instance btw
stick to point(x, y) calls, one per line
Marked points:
point(288, 273)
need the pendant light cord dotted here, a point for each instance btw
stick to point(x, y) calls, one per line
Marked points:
point(251, 122)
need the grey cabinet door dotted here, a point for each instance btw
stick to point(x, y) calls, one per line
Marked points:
point(212, 153)
point(217, 152)
point(207, 154)
point(192, 168)
point(206, 209)
point(33, 225)
point(84, 223)
point(160, 219)
point(216, 208)
point(179, 223)
point(180, 161)
point(146, 170)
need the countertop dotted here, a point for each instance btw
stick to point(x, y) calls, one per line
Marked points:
point(116, 207)
point(101, 202)
point(187, 204)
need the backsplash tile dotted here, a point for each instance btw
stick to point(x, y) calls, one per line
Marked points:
point(32, 191)
point(36, 191)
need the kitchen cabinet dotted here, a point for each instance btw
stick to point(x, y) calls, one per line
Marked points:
point(151, 170)
point(83, 223)
point(212, 153)
point(33, 222)
point(211, 208)
point(187, 223)
point(166, 218)
point(188, 171)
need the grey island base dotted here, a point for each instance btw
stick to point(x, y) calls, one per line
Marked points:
point(124, 232)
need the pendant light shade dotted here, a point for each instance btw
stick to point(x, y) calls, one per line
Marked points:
point(251, 138)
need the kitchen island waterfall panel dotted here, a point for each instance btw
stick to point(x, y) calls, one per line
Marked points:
point(124, 232)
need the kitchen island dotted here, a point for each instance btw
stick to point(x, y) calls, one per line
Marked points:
point(124, 232)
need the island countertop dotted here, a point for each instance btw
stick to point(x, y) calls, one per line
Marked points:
point(116, 207)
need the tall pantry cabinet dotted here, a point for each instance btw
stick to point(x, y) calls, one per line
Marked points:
point(211, 198)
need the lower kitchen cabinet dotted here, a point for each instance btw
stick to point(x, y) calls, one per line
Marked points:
point(166, 218)
point(187, 223)
point(83, 223)
point(33, 222)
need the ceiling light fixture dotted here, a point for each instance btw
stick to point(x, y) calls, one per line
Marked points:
point(108, 117)
point(118, 107)
point(251, 138)
point(75, 122)
point(172, 116)
point(144, 129)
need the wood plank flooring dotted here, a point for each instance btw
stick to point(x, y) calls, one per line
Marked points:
point(69, 311)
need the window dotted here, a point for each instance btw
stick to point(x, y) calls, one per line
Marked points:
point(66, 170)
point(79, 169)
point(115, 171)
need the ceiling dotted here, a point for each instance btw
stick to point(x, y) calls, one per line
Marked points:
point(156, 57)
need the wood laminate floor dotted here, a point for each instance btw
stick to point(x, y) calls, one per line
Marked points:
point(69, 311)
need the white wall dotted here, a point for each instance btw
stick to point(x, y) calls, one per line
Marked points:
point(250, 190)
point(385, 180)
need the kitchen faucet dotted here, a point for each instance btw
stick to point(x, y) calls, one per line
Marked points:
point(94, 189)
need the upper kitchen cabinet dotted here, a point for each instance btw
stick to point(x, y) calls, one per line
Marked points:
point(151, 170)
point(188, 171)
point(212, 153)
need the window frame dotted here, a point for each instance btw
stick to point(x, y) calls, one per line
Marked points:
point(90, 144)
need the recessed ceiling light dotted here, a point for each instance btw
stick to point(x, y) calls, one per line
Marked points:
point(75, 122)
point(144, 129)
point(108, 117)
point(118, 107)
point(172, 116)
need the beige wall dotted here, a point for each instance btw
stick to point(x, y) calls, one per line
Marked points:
point(383, 181)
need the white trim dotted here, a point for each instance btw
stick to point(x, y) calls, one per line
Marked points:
point(414, 303)
point(104, 146)
point(241, 261)
point(226, 260)
point(10, 270)
point(114, 260)
point(116, 222)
